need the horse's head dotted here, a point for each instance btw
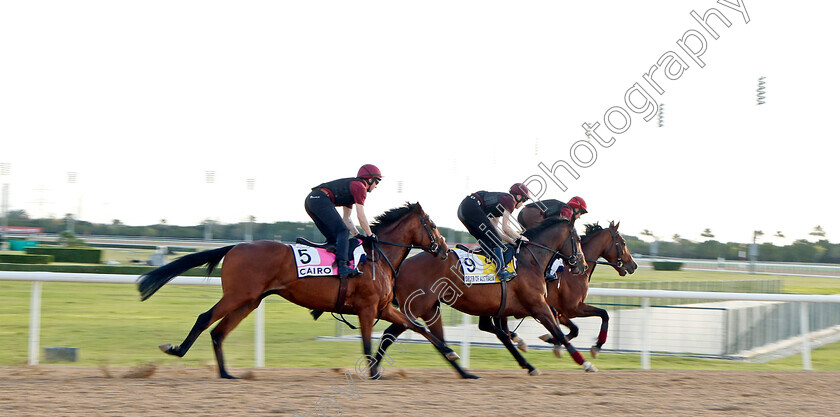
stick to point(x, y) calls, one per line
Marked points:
point(559, 235)
point(410, 225)
point(434, 242)
point(619, 256)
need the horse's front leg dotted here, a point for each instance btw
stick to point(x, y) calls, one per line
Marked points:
point(366, 362)
point(543, 314)
point(586, 310)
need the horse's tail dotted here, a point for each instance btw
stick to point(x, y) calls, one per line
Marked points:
point(150, 282)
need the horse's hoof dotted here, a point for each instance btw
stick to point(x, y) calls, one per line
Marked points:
point(594, 350)
point(546, 338)
point(470, 376)
point(452, 356)
point(520, 344)
point(535, 372)
point(588, 367)
point(227, 376)
point(165, 348)
point(558, 352)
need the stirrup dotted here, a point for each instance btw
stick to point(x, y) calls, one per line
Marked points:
point(506, 276)
point(346, 271)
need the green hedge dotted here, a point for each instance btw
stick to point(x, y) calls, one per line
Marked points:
point(667, 265)
point(172, 249)
point(25, 259)
point(75, 255)
point(100, 269)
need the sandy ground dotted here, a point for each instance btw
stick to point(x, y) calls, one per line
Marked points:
point(149, 391)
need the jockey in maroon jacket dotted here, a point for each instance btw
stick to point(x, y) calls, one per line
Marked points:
point(346, 193)
point(480, 213)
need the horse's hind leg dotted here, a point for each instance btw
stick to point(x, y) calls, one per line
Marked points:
point(388, 337)
point(433, 335)
point(224, 328)
point(499, 328)
point(565, 321)
point(203, 321)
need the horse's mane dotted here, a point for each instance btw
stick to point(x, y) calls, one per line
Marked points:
point(543, 226)
point(391, 216)
point(590, 231)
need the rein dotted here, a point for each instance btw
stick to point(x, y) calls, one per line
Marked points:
point(433, 248)
point(571, 259)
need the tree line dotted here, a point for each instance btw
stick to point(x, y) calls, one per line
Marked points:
point(821, 251)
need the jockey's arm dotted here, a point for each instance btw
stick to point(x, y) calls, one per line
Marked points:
point(363, 221)
point(348, 221)
point(500, 232)
point(508, 230)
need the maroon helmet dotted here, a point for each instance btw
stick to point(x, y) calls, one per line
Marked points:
point(578, 204)
point(519, 191)
point(369, 171)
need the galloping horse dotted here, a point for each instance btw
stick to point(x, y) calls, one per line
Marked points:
point(252, 271)
point(424, 281)
point(568, 295)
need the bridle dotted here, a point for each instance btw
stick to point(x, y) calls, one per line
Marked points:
point(618, 263)
point(433, 248)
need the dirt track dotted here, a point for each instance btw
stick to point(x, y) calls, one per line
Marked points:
point(80, 391)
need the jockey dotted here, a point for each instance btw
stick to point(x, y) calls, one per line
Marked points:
point(573, 209)
point(345, 193)
point(570, 211)
point(480, 213)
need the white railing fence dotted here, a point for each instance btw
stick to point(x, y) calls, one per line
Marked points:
point(37, 278)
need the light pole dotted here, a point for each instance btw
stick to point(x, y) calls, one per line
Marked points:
point(654, 245)
point(5, 171)
point(209, 178)
point(753, 251)
point(71, 179)
point(249, 226)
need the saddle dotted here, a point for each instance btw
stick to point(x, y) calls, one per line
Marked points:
point(325, 246)
point(508, 252)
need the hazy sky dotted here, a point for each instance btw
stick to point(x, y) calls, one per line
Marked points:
point(141, 98)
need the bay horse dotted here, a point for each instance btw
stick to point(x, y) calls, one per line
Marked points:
point(252, 271)
point(568, 294)
point(423, 282)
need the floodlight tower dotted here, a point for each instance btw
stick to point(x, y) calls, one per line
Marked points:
point(209, 179)
point(5, 171)
point(72, 176)
point(249, 226)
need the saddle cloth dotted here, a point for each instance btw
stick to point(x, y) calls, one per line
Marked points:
point(478, 269)
point(317, 262)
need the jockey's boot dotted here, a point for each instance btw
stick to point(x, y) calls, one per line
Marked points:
point(344, 270)
point(501, 272)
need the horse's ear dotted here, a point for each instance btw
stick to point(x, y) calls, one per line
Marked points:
point(616, 225)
